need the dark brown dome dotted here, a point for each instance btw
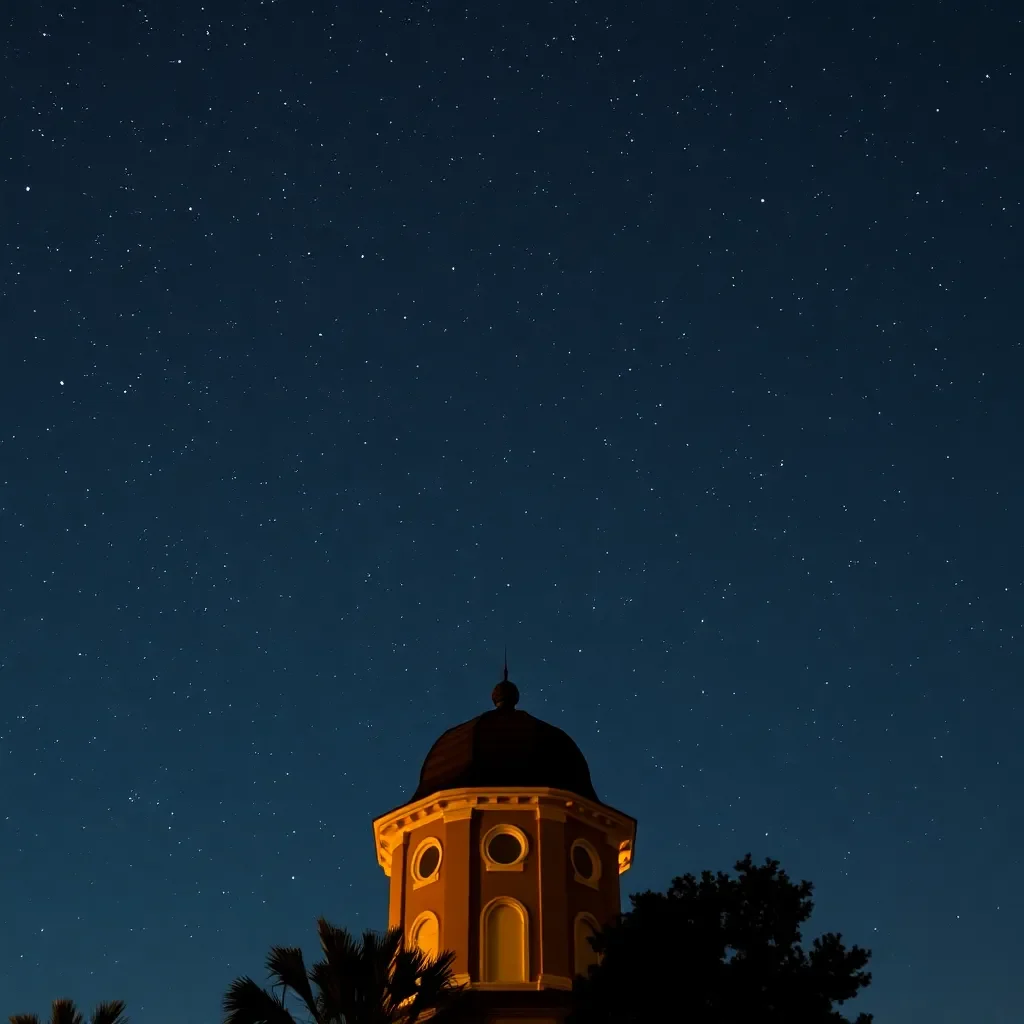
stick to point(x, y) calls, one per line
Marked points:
point(505, 747)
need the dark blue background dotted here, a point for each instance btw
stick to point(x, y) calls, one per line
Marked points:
point(675, 346)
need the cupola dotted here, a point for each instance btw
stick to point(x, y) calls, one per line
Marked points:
point(505, 855)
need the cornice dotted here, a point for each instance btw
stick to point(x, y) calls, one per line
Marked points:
point(456, 804)
point(544, 982)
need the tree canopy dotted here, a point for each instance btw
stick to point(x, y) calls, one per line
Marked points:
point(721, 949)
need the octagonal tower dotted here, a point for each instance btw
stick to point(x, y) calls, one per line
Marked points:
point(506, 856)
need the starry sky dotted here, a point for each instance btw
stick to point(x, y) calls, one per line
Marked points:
point(674, 346)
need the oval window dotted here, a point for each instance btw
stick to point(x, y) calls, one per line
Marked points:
point(429, 861)
point(426, 861)
point(504, 848)
point(586, 863)
point(582, 861)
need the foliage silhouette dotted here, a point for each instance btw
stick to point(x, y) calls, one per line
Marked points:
point(720, 950)
point(375, 981)
point(64, 1011)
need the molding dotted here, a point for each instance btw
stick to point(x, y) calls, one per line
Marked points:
point(460, 804)
point(504, 986)
point(545, 812)
point(625, 855)
point(545, 981)
point(555, 981)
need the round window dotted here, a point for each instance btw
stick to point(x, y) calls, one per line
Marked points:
point(504, 848)
point(429, 860)
point(426, 860)
point(582, 861)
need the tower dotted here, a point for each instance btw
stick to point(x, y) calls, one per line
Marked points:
point(506, 856)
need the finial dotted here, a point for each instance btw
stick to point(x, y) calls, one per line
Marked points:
point(506, 694)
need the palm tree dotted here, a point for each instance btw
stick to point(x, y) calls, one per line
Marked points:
point(64, 1011)
point(376, 981)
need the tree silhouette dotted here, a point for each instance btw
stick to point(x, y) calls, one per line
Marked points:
point(375, 981)
point(64, 1011)
point(720, 950)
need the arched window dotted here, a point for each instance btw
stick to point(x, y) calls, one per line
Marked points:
point(503, 942)
point(585, 957)
point(426, 933)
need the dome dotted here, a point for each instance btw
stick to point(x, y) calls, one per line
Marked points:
point(505, 747)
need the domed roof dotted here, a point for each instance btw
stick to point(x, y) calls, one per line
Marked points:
point(505, 747)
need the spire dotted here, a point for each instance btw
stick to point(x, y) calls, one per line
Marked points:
point(506, 694)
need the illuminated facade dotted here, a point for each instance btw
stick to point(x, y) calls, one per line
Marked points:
point(505, 855)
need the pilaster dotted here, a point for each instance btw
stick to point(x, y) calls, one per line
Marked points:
point(458, 915)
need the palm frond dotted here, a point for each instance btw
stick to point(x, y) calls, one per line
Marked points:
point(420, 985)
point(248, 1003)
point(378, 952)
point(437, 975)
point(376, 968)
point(64, 1011)
point(111, 1012)
point(436, 988)
point(336, 943)
point(390, 943)
point(286, 965)
point(373, 980)
point(24, 1018)
point(338, 976)
point(404, 979)
point(330, 998)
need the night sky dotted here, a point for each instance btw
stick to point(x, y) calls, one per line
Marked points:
point(674, 346)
